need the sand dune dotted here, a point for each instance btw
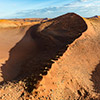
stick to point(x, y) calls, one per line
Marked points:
point(59, 57)
point(4, 23)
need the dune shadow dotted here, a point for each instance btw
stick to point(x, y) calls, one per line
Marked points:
point(33, 56)
point(17, 57)
point(95, 78)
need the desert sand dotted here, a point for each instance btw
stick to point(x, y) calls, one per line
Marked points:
point(57, 59)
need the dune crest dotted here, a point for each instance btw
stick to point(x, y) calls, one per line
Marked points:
point(60, 57)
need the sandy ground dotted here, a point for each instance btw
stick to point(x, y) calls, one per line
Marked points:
point(56, 60)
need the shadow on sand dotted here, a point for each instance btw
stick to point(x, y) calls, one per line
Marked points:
point(95, 78)
point(33, 56)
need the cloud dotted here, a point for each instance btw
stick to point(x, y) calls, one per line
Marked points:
point(85, 8)
point(83, 0)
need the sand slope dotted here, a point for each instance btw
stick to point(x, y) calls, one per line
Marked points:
point(59, 56)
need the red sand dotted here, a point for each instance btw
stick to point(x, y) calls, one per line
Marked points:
point(70, 41)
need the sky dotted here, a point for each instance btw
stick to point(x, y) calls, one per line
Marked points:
point(47, 8)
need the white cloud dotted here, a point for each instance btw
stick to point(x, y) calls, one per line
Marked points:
point(84, 0)
point(85, 8)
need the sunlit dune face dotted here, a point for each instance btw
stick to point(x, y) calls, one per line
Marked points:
point(58, 58)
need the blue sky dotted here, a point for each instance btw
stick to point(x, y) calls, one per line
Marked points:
point(47, 8)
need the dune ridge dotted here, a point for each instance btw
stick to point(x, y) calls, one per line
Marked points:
point(11, 23)
point(59, 57)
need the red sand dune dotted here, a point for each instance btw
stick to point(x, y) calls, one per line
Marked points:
point(55, 60)
point(5, 23)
